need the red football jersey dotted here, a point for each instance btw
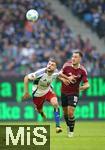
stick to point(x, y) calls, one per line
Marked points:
point(80, 72)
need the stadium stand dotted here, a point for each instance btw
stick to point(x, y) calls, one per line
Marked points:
point(92, 12)
point(27, 46)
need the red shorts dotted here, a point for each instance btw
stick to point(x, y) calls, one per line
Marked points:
point(38, 101)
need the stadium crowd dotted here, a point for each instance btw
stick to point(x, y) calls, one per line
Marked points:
point(26, 46)
point(92, 12)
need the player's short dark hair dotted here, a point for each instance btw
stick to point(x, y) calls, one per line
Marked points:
point(79, 52)
point(53, 60)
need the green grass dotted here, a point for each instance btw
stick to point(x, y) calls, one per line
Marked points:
point(88, 136)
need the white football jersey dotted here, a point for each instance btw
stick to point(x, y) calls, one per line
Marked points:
point(42, 81)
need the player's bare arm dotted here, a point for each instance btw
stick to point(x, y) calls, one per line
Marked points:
point(65, 79)
point(84, 86)
point(26, 81)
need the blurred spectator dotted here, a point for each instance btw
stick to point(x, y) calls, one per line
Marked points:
point(101, 27)
point(26, 46)
point(91, 12)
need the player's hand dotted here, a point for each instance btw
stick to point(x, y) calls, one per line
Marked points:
point(26, 95)
point(72, 79)
point(65, 81)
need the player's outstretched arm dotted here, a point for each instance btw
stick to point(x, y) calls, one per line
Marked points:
point(62, 75)
point(66, 79)
point(84, 86)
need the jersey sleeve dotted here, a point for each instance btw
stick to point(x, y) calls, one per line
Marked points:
point(63, 69)
point(56, 74)
point(37, 74)
point(84, 76)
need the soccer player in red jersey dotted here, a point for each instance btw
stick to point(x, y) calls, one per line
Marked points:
point(70, 92)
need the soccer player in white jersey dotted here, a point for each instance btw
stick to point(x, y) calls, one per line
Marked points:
point(42, 90)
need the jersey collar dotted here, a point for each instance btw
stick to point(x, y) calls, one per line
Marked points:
point(79, 66)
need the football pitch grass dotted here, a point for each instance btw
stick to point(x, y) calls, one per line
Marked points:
point(88, 135)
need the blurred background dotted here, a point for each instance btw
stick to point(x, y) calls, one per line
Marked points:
point(63, 26)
